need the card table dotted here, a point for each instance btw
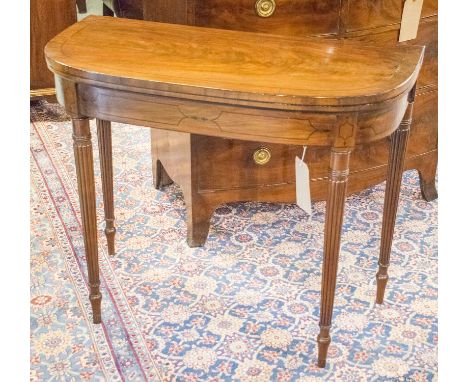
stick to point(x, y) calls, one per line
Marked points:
point(239, 85)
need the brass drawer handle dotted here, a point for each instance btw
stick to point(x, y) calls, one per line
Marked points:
point(265, 8)
point(262, 156)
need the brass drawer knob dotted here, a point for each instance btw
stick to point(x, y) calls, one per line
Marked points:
point(265, 8)
point(262, 156)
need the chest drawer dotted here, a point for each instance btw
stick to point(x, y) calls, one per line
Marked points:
point(286, 17)
point(366, 14)
point(224, 164)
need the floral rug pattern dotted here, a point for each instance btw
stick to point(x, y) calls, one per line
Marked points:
point(243, 308)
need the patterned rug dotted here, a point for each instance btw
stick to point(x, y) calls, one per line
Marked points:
point(243, 308)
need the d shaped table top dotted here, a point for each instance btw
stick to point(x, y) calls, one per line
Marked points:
point(274, 71)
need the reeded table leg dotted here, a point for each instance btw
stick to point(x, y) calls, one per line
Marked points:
point(339, 170)
point(105, 157)
point(398, 143)
point(85, 176)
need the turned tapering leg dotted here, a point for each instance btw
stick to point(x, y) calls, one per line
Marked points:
point(338, 179)
point(85, 176)
point(104, 134)
point(398, 143)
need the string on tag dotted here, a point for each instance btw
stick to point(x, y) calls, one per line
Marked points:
point(303, 156)
point(303, 153)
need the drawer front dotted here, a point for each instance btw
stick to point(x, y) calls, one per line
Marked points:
point(427, 35)
point(290, 17)
point(366, 14)
point(229, 164)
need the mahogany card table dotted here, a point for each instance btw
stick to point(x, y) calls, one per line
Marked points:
point(238, 85)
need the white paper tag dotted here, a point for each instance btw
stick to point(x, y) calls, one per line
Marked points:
point(303, 186)
point(410, 19)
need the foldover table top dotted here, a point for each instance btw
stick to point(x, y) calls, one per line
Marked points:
point(193, 61)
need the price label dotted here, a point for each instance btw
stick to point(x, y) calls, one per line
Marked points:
point(410, 19)
point(303, 186)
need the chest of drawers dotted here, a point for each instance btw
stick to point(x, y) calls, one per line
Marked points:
point(212, 171)
point(47, 19)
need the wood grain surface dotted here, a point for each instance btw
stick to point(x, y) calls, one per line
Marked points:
point(230, 64)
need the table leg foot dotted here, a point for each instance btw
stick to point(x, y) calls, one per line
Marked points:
point(104, 134)
point(323, 341)
point(382, 278)
point(83, 150)
point(110, 236)
point(398, 144)
point(95, 297)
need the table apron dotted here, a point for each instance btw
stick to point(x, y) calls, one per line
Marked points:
point(318, 129)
